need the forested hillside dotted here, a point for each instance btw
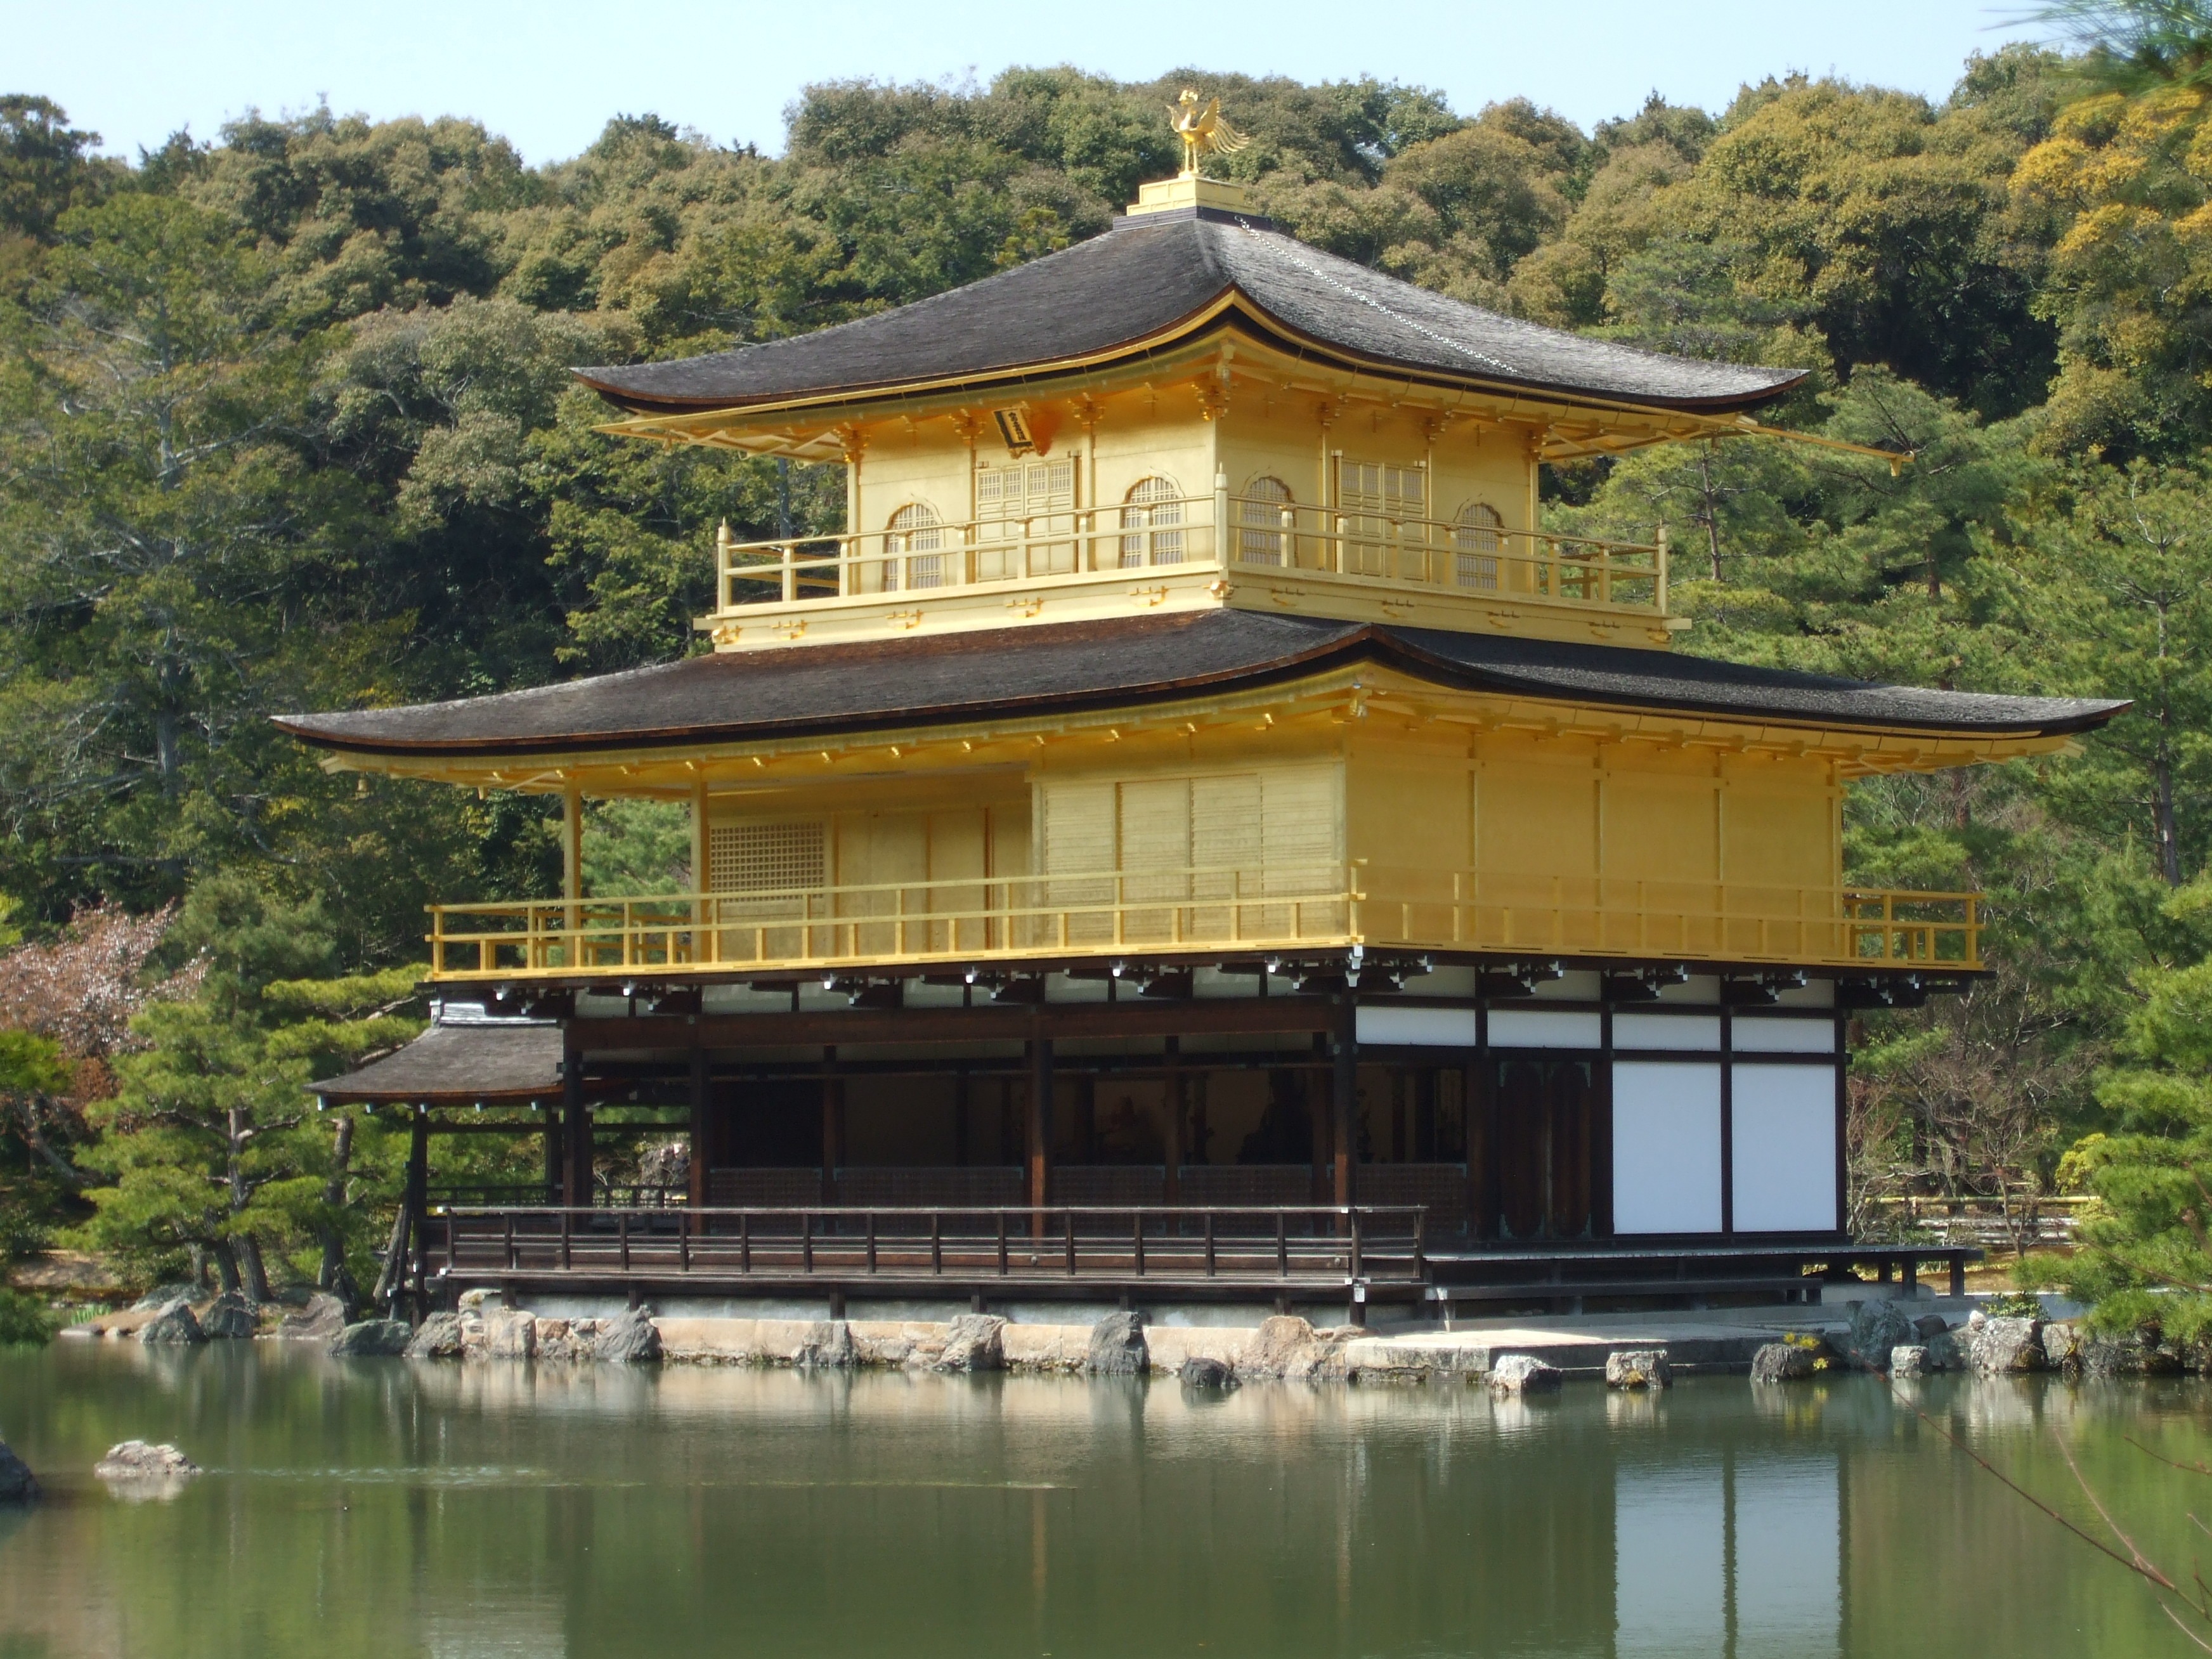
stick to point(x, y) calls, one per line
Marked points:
point(285, 424)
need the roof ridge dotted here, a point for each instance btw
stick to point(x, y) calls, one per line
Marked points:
point(1370, 301)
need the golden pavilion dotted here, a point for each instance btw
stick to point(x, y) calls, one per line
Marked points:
point(1193, 816)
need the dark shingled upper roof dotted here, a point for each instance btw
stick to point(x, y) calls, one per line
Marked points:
point(1147, 274)
point(462, 1063)
point(948, 678)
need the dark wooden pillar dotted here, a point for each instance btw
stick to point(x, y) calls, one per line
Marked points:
point(702, 1134)
point(575, 1133)
point(553, 1158)
point(1344, 1101)
point(1171, 1114)
point(833, 1124)
point(1478, 1112)
point(1037, 1136)
point(417, 1202)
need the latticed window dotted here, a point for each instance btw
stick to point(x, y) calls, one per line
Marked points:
point(1260, 536)
point(1005, 495)
point(1150, 506)
point(1387, 492)
point(1476, 540)
point(1380, 507)
point(914, 529)
point(767, 858)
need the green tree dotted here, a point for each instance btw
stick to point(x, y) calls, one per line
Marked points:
point(208, 1144)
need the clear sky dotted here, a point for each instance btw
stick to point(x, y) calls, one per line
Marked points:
point(547, 74)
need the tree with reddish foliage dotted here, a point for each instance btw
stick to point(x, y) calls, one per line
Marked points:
point(76, 995)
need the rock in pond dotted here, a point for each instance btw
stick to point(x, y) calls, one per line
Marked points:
point(2002, 1346)
point(1781, 1362)
point(1945, 1352)
point(320, 1321)
point(439, 1337)
point(1639, 1367)
point(17, 1484)
point(173, 1323)
point(1522, 1373)
point(509, 1334)
point(631, 1338)
point(1118, 1347)
point(1878, 1325)
point(977, 1342)
point(372, 1339)
point(1200, 1372)
point(1907, 1360)
point(229, 1317)
point(137, 1460)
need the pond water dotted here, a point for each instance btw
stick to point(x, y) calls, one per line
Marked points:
point(375, 1507)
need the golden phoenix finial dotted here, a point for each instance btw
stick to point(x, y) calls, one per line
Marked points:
point(1202, 130)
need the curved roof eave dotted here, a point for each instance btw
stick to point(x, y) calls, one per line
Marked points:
point(1191, 323)
point(1246, 651)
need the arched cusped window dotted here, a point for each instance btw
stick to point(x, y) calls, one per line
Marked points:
point(1261, 538)
point(1150, 506)
point(913, 530)
point(1477, 536)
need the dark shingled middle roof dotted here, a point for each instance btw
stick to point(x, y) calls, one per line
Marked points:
point(951, 678)
point(1148, 275)
point(461, 1062)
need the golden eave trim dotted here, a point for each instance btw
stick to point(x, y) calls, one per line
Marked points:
point(1361, 691)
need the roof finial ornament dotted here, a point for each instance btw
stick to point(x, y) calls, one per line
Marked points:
point(1202, 130)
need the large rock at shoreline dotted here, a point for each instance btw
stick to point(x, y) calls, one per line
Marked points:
point(172, 1323)
point(1289, 1349)
point(229, 1318)
point(2004, 1346)
point(825, 1345)
point(1781, 1362)
point(1945, 1352)
point(137, 1460)
point(320, 1321)
point(377, 1339)
point(1522, 1373)
point(1118, 1347)
point(632, 1339)
point(438, 1338)
point(977, 1342)
point(1907, 1360)
point(17, 1484)
point(1639, 1367)
point(1879, 1325)
point(509, 1334)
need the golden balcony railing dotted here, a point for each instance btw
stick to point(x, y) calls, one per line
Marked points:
point(1054, 917)
point(1218, 532)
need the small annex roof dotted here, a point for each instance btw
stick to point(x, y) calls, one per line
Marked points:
point(1154, 274)
point(458, 1065)
point(739, 697)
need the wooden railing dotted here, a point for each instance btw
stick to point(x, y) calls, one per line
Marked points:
point(1332, 1245)
point(1309, 908)
point(1217, 531)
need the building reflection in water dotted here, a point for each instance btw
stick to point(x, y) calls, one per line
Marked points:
point(1740, 1558)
